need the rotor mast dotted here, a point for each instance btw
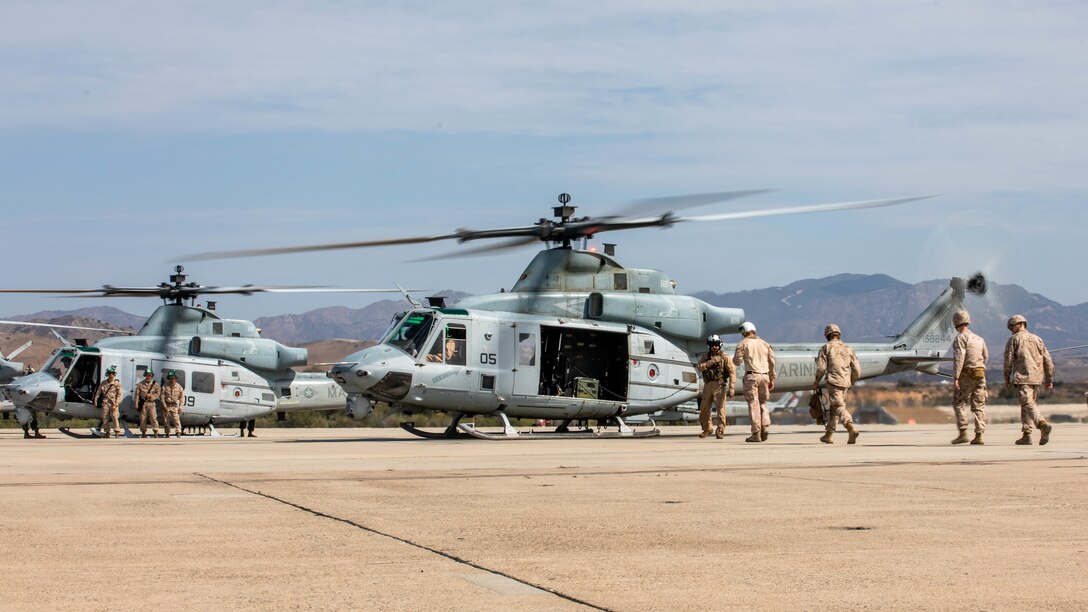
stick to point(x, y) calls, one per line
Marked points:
point(176, 293)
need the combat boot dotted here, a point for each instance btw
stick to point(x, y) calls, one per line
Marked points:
point(826, 438)
point(1025, 440)
point(38, 435)
point(853, 431)
point(705, 433)
point(978, 438)
point(26, 434)
point(720, 434)
point(960, 439)
point(753, 438)
point(763, 435)
point(1044, 432)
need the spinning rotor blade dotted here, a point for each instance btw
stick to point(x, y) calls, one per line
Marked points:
point(331, 246)
point(799, 210)
point(192, 290)
point(55, 326)
point(651, 206)
point(482, 250)
point(569, 229)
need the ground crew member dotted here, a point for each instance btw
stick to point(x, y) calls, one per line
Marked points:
point(757, 357)
point(968, 378)
point(719, 378)
point(108, 396)
point(173, 396)
point(242, 425)
point(840, 363)
point(146, 399)
point(31, 424)
point(1028, 365)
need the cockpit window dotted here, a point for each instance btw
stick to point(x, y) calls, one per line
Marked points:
point(449, 346)
point(412, 332)
point(59, 363)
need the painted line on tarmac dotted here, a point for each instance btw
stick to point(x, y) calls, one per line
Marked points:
point(435, 551)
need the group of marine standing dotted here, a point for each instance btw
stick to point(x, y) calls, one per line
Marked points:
point(147, 397)
point(1027, 367)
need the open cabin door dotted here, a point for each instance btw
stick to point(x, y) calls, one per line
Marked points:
point(585, 363)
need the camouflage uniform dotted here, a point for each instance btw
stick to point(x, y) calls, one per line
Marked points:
point(173, 395)
point(146, 400)
point(110, 393)
point(969, 371)
point(757, 357)
point(839, 362)
point(719, 377)
point(1028, 365)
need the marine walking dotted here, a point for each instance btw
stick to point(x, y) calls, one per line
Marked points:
point(840, 364)
point(968, 378)
point(757, 357)
point(719, 380)
point(1027, 367)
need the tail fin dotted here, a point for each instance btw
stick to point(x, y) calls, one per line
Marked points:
point(933, 329)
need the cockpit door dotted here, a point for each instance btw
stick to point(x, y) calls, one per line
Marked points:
point(446, 378)
point(83, 378)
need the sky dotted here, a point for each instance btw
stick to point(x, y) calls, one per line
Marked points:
point(135, 132)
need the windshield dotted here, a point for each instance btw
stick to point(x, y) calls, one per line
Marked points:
point(397, 318)
point(59, 363)
point(412, 332)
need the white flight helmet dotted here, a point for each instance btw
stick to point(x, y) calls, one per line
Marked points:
point(713, 340)
point(746, 327)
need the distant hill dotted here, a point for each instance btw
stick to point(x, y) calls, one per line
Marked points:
point(106, 314)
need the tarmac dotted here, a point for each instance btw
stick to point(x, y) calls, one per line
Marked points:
point(377, 519)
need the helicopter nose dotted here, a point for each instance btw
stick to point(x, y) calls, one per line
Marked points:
point(375, 374)
point(37, 391)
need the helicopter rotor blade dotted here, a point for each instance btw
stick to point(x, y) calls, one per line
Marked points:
point(570, 229)
point(800, 210)
point(651, 206)
point(482, 250)
point(309, 248)
point(124, 332)
point(16, 352)
point(186, 291)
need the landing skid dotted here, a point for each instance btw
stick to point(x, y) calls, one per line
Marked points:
point(561, 432)
point(80, 436)
point(451, 432)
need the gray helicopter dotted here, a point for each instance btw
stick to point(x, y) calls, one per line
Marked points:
point(580, 337)
point(230, 374)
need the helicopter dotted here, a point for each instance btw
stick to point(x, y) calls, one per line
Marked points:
point(580, 337)
point(230, 374)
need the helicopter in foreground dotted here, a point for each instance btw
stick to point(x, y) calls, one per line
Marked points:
point(580, 337)
point(230, 374)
